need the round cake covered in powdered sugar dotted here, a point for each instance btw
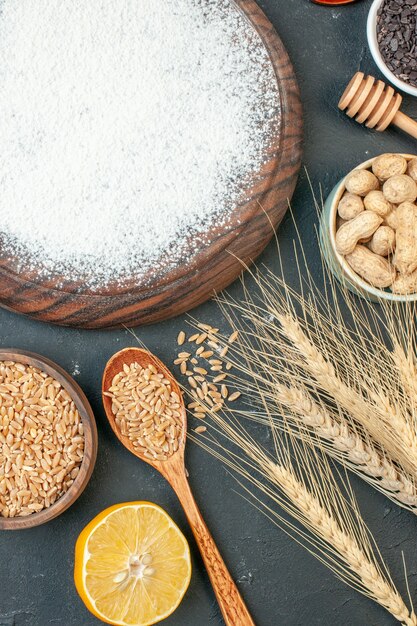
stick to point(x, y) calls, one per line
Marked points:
point(128, 129)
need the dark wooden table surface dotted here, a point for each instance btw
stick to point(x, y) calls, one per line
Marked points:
point(282, 584)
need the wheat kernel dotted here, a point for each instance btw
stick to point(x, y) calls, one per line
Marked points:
point(37, 439)
point(204, 326)
point(181, 338)
point(154, 430)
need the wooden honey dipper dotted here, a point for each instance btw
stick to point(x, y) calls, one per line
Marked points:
point(375, 104)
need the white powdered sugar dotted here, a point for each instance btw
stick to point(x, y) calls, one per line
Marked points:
point(127, 129)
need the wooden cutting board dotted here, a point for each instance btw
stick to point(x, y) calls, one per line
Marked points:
point(214, 267)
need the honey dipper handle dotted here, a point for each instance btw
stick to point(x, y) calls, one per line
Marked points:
point(233, 608)
point(405, 123)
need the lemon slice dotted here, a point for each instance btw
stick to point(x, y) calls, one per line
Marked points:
point(132, 565)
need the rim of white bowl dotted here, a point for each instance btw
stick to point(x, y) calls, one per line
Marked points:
point(345, 268)
point(376, 54)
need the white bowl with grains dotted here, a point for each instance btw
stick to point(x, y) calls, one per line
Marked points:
point(369, 229)
point(372, 35)
point(48, 440)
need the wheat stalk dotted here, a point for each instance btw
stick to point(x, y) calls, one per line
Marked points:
point(346, 387)
point(292, 405)
point(285, 375)
point(375, 412)
point(406, 365)
point(352, 366)
point(333, 529)
point(341, 441)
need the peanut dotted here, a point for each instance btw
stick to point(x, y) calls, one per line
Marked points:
point(339, 222)
point(388, 165)
point(383, 241)
point(373, 268)
point(405, 284)
point(376, 223)
point(350, 206)
point(412, 169)
point(398, 189)
point(405, 258)
point(361, 227)
point(376, 201)
point(361, 182)
point(391, 219)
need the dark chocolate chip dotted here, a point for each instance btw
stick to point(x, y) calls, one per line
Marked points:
point(397, 37)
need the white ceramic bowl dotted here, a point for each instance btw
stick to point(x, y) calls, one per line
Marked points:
point(340, 269)
point(377, 56)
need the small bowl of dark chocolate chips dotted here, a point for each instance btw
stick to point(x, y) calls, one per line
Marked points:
point(392, 38)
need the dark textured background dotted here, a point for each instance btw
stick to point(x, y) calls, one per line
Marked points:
point(280, 581)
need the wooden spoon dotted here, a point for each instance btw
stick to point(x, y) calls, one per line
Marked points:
point(234, 610)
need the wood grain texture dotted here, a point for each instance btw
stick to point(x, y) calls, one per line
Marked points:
point(155, 298)
point(90, 444)
point(375, 104)
point(233, 608)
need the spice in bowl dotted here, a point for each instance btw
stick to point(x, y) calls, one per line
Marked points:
point(396, 24)
point(41, 440)
point(376, 228)
point(147, 410)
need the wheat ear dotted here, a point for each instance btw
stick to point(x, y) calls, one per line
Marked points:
point(404, 360)
point(343, 443)
point(333, 529)
point(270, 361)
point(291, 405)
point(377, 415)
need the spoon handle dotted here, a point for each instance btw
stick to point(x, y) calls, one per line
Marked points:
point(233, 608)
